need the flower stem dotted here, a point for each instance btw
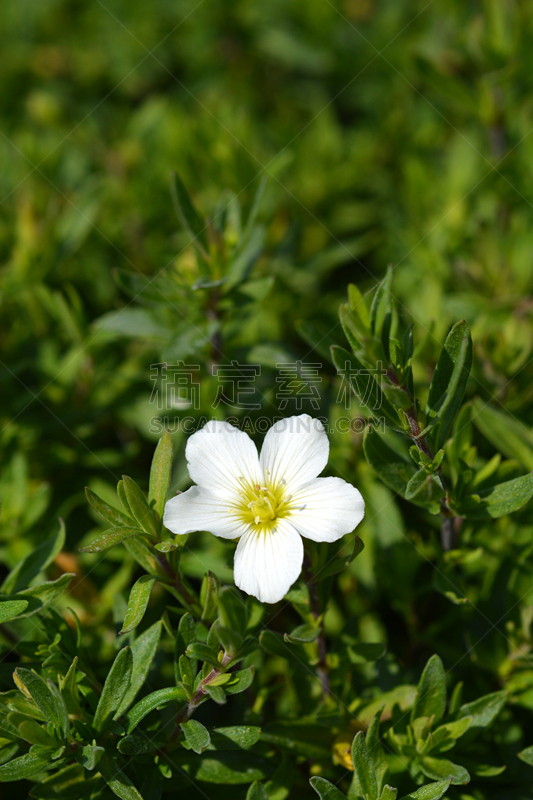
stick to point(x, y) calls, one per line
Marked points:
point(186, 712)
point(451, 524)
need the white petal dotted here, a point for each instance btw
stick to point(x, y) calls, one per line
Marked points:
point(199, 510)
point(218, 455)
point(268, 563)
point(326, 509)
point(295, 450)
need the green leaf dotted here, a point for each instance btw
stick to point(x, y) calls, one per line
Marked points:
point(240, 681)
point(35, 562)
point(11, 608)
point(192, 222)
point(32, 732)
point(229, 640)
point(32, 684)
point(89, 756)
point(238, 737)
point(326, 790)
point(22, 767)
point(112, 515)
point(389, 793)
point(69, 689)
point(208, 595)
point(138, 602)
point(45, 593)
point(256, 792)
point(484, 710)
point(499, 500)
point(426, 487)
point(143, 651)
point(110, 538)
point(217, 694)
point(449, 381)
point(394, 470)
point(232, 609)
point(365, 386)
point(203, 653)
point(158, 699)
point(115, 687)
point(508, 435)
point(363, 652)
point(431, 791)
point(160, 473)
point(527, 755)
point(375, 749)
point(338, 564)
point(301, 738)
point(307, 632)
point(196, 734)
point(364, 767)
point(431, 693)
point(60, 708)
point(118, 782)
point(440, 769)
point(186, 635)
point(223, 768)
point(140, 509)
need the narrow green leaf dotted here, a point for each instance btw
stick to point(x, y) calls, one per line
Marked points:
point(23, 767)
point(160, 473)
point(139, 507)
point(158, 699)
point(208, 595)
point(432, 791)
point(232, 609)
point(69, 689)
point(118, 781)
point(326, 790)
point(111, 538)
point(138, 602)
point(449, 381)
point(484, 710)
point(196, 734)
point(389, 793)
point(509, 435)
point(143, 651)
point(112, 515)
point(364, 767)
point(45, 593)
point(30, 683)
point(35, 562)
point(60, 709)
point(32, 732)
point(115, 687)
point(499, 500)
point(364, 386)
point(440, 769)
point(188, 216)
point(431, 694)
point(11, 608)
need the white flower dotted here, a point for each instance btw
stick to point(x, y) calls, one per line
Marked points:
point(267, 502)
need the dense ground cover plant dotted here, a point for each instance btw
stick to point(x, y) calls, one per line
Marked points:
point(349, 136)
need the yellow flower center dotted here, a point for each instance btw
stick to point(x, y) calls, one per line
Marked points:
point(262, 505)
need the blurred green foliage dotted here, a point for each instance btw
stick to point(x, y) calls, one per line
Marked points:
point(322, 140)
